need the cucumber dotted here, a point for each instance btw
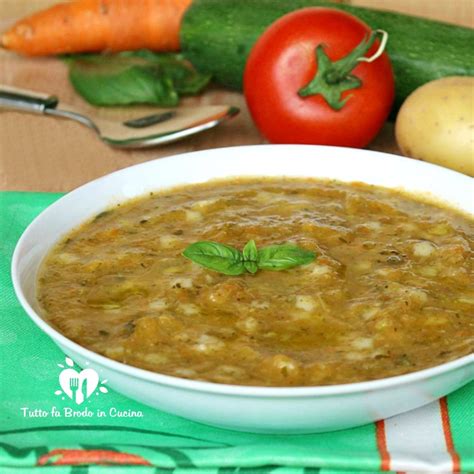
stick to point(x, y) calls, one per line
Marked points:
point(217, 36)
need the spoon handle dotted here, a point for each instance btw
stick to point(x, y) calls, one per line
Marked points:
point(25, 100)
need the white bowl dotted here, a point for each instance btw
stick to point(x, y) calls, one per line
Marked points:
point(255, 409)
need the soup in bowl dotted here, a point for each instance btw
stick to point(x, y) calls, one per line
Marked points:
point(225, 283)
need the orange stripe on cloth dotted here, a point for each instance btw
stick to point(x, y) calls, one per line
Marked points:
point(382, 446)
point(416, 441)
point(443, 405)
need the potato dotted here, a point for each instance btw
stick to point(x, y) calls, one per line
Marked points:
point(436, 124)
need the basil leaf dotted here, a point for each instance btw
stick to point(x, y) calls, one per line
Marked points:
point(230, 261)
point(250, 255)
point(251, 267)
point(137, 77)
point(283, 257)
point(250, 251)
point(186, 79)
point(219, 257)
point(101, 85)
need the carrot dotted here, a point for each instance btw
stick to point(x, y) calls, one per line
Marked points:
point(71, 457)
point(98, 25)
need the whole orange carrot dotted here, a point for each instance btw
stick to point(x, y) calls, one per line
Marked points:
point(98, 25)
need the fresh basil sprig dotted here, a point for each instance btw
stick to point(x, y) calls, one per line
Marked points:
point(231, 261)
point(219, 257)
point(134, 77)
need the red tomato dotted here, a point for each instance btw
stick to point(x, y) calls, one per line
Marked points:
point(283, 61)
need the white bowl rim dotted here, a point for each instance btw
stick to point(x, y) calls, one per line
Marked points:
point(212, 387)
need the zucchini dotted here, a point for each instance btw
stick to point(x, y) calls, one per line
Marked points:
point(217, 36)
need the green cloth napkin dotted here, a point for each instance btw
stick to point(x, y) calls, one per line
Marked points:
point(159, 442)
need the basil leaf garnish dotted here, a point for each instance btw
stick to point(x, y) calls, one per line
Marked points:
point(251, 267)
point(219, 257)
point(230, 261)
point(250, 251)
point(283, 257)
point(250, 256)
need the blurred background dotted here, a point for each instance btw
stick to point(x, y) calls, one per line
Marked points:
point(45, 154)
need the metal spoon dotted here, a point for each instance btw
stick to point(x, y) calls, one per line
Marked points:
point(123, 127)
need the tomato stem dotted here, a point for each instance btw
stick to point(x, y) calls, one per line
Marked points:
point(334, 78)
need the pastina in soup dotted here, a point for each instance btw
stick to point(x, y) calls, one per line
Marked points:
point(390, 290)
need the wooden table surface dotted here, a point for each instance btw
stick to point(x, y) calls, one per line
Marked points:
point(39, 153)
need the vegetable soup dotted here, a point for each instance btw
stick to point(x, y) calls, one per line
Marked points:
point(378, 283)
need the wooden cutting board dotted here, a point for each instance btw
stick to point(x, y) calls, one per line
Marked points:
point(46, 154)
